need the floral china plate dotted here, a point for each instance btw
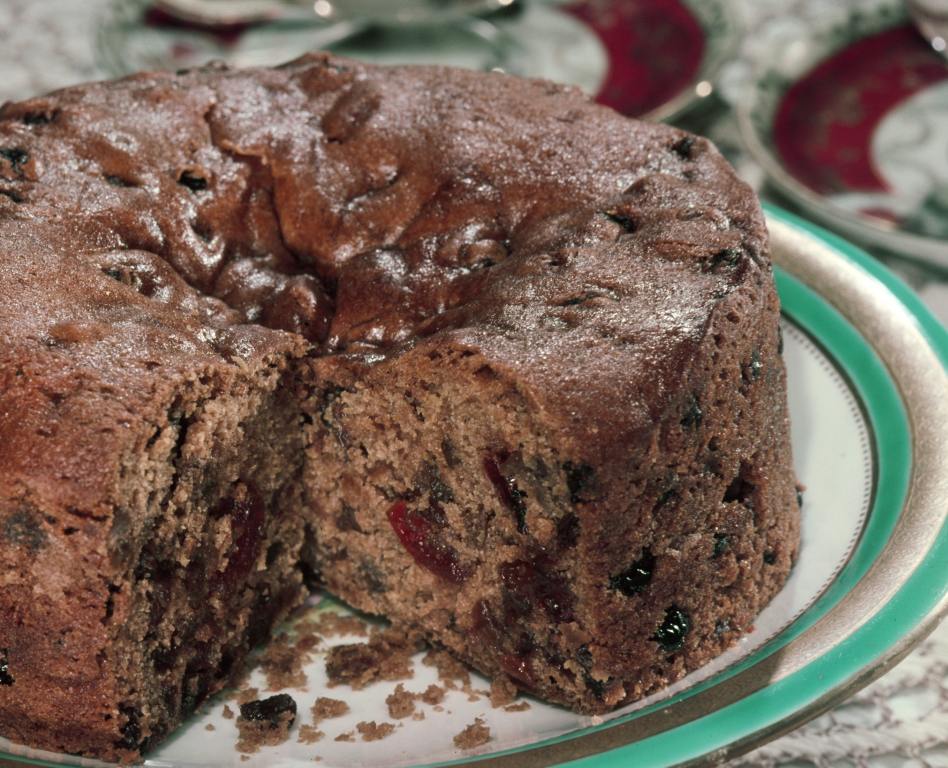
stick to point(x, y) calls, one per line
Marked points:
point(868, 395)
point(852, 124)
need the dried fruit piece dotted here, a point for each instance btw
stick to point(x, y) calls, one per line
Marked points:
point(726, 257)
point(265, 722)
point(693, 414)
point(514, 654)
point(621, 218)
point(192, 181)
point(532, 583)
point(581, 482)
point(674, 629)
point(751, 372)
point(248, 521)
point(16, 156)
point(422, 539)
point(507, 491)
point(5, 677)
point(683, 147)
point(272, 710)
point(131, 729)
point(636, 577)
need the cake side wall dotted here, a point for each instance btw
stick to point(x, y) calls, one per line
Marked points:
point(55, 690)
point(680, 561)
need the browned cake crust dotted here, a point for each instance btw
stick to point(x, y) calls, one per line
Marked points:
point(473, 352)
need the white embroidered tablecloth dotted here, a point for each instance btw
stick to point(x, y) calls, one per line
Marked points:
point(901, 721)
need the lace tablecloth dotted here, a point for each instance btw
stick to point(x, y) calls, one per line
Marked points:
point(901, 721)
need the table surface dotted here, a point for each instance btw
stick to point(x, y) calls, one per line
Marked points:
point(899, 721)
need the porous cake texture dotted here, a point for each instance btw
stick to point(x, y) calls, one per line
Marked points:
point(470, 351)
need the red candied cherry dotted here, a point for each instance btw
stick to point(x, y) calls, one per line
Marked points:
point(421, 537)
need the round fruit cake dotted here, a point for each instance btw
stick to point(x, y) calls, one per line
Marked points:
point(468, 351)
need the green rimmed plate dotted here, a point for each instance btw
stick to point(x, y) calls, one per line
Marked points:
point(869, 401)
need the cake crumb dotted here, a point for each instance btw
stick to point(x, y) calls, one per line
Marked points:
point(282, 662)
point(326, 708)
point(244, 758)
point(520, 706)
point(418, 716)
point(227, 713)
point(210, 727)
point(401, 703)
point(476, 734)
point(307, 643)
point(449, 668)
point(332, 624)
point(502, 691)
point(309, 734)
point(265, 722)
point(439, 708)
point(387, 656)
point(372, 731)
point(347, 736)
point(434, 694)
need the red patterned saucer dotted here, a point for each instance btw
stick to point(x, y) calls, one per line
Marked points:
point(856, 132)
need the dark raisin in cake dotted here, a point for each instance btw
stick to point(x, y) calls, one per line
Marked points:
point(470, 351)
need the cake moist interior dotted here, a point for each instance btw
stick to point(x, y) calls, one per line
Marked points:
point(468, 351)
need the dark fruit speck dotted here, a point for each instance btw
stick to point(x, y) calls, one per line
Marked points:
point(683, 147)
point(636, 577)
point(581, 482)
point(753, 369)
point(567, 531)
point(584, 656)
point(676, 626)
point(622, 219)
point(192, 182)
point(770, 557)
point(693, 414)
point(721, 544)
point(5, 677)
point(38, 118)
point(131, 730)
point(17, 157)
point(726, 257)
point(507, 491)
point(598, 688)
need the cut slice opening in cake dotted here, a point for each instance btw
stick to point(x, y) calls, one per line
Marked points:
point(208, 545)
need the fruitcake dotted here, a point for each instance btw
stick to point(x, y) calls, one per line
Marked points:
point(467, 350)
